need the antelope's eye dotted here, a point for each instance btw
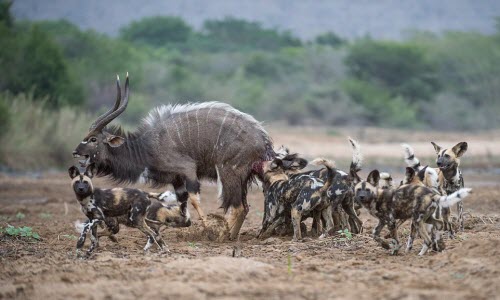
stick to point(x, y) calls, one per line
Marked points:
point(93, 139)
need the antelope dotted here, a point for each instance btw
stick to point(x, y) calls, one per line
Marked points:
point(179, 145)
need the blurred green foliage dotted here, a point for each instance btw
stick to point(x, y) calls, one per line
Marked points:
point(445, 81)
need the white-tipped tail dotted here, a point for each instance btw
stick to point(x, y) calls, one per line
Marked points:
point(357, 157)
point(387, 180)
point(410, 159)
point(79, 225)
point(167, 196)
point(447, 201)
point(325, 162)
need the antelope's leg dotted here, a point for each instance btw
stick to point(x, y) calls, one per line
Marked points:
point(194, 198)
point(235, 220)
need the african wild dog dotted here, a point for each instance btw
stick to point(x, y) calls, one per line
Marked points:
point(291, 199)
point(446, 178)
point(412, 200)
point(340, 193)
point(159, 213)
point(128, 206)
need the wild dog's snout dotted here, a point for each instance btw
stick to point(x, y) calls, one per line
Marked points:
point(75, 154)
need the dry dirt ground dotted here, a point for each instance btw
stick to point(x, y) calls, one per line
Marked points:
point(198, 267)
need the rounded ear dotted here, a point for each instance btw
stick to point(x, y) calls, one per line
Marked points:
point(298, 163)
point(113, 140)
point(373, 177)
point(73, 172)
point(91, 170)
point(276, 163)
point(409, 174)
point(460, 148)
point(436, 147)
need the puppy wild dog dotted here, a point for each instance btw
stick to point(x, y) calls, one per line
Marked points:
point(412, 200)
point(446, 178)
point(101, 205)
point(290, 199)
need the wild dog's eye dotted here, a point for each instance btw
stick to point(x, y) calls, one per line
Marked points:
point(447, 156)
point(93, 139)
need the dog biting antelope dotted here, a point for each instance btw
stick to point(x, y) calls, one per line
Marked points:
point(132, 207)
point(179, 145)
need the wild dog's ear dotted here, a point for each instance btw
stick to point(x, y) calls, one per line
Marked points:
point(91, 170)
point(113, 140)
point(436, 147)
point(276, 163)
point(460, 148)
point(296, 163)
point(409, 174)
point(373, 177)
point(73, 172)
point(353, 176)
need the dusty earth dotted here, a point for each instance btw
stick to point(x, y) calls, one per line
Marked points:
point(200, 267)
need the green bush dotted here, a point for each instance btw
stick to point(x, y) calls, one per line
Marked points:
point(157, 31)
point(329, 39)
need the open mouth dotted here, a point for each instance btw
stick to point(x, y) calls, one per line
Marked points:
point(83, 162)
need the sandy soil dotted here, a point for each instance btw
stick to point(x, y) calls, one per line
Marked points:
point(198, 267)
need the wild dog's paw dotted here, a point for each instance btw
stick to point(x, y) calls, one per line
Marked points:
point(394, 247)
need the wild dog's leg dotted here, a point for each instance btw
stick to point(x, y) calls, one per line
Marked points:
point(317, 222)
point(112, 228)
point(83, 234)
point(422, 230)
point(354, 221)
point(460, 208)
point(394, 235)
point(337, 219)
point(413, 235)
point(376, 235)
point(94, 238)
point(327, 216)
point(296, 218)
point(447, 222)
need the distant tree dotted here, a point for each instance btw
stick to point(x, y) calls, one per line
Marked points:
point(32, 61)
point(329, 39)
point(236, 34)
point(5, 15)
point(401, 68)
point(157, 31)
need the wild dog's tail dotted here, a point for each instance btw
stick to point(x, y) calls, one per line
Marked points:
point(450, 200)
point(410, 159)
point(357, 157)
point(79, 225)
point(387, 180)
point(330, 166)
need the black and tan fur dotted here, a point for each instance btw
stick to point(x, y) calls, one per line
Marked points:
point(446, 178)
point(341, 191)
point(291, 199)
point(110, 207)
point(412, 200)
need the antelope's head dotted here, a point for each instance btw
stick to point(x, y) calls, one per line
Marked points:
point(95, 146)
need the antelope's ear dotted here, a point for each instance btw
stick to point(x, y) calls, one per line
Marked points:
point(91, 170)
point(409, 174)
point(73, 172)
point(436, 147)
point(460, 148)
point(113, 140)
point(373, 177)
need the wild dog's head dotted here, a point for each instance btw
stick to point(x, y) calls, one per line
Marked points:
point(292, 162)
point(449, 158)
point(82, 183)
point(412, 177)
point(366, 191)
point(273, 171)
